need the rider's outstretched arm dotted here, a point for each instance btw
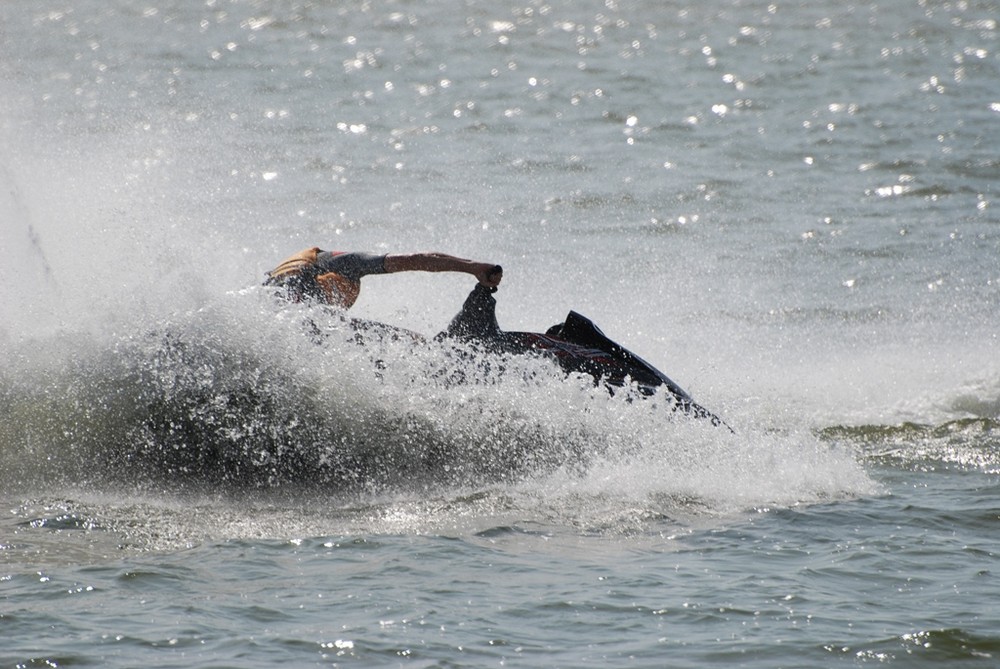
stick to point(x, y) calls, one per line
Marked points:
point(488, 274)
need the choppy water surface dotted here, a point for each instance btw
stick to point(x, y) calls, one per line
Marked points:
point(788, 208)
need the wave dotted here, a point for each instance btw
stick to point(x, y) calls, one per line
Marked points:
point(951, 644)
point(284, 406)
point(968, 443)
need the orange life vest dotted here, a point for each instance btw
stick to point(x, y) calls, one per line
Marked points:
point(303, 278)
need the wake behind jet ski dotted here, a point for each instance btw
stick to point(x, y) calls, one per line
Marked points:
point(577, 345)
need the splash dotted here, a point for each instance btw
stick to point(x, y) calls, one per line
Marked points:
point(247, 394)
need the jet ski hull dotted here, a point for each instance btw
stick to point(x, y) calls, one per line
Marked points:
point(576, 345)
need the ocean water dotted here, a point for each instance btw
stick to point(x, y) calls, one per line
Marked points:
point(789, 207)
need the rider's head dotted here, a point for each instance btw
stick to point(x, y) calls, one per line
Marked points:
point(301, 280)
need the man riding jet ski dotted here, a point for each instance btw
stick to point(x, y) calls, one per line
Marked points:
point(576, 345)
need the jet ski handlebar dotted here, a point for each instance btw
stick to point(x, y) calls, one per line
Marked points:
point(497, 269)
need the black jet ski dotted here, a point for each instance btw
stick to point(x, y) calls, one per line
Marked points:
point(577, 345)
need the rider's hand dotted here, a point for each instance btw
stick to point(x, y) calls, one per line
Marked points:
point(489, 275)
